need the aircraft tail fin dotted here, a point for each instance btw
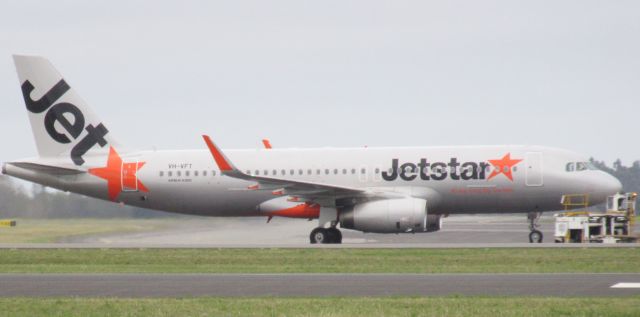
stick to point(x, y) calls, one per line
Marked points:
point(63, 124)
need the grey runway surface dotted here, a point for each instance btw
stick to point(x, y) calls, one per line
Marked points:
point(460, 231)
point(194, 285)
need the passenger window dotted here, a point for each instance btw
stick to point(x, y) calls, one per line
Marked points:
point(363, 171)
point(309, 172)
point(275, 173)
point(353, 171)
point(178, 173)
point(571, 167)
point(318, 172)
point(291, 172)
point(326, 171)
point(161, 173)
point(300, 172)
point(213, 173)
point(204, 173)
point(335, 171)
point(248, 172)
point(195, 173)
point(169, 173)
point(377, 171)
point(266, 173)
point(257, 172)
point(186, 173)
point(344, 171)
point(283, 172)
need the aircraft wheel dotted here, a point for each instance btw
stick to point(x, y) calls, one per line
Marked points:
point(319, 235)
point(335, 236)
point(535, 236)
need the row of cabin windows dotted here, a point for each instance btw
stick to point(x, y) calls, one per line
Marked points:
point(345, 171)
point(187, 173)
point(327, 171)
point(309, 172)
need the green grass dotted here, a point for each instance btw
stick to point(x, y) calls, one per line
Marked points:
point(53, 230)
point(328, 307)
point(490, 260)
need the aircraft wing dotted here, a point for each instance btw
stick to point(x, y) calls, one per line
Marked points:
point(304, 189)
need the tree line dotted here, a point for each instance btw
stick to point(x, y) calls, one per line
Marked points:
point(629, 176)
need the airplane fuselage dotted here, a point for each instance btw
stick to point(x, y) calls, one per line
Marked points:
point(451, 179)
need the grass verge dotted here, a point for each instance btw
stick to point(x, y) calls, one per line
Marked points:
point(490, 260)
point(328, 307)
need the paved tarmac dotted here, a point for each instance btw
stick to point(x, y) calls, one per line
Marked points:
point(194, 285)
point(216, 231)
point(460, 231)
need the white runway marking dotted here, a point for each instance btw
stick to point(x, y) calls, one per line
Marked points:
point(626, 285)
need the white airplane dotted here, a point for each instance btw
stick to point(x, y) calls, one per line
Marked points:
point(381, 190)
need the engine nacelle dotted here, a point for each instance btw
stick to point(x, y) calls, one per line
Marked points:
point(387, 216)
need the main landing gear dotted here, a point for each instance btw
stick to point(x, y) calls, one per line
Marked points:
point(535, 236)
point(325, 235)
point(326, 232)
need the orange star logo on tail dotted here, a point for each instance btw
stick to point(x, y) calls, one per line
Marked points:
point(119, 175)
point(503, 166)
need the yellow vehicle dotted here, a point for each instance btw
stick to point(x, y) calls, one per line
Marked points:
point(613, 226)
point(7, 223)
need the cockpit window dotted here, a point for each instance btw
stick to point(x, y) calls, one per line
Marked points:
point(571, 167)
point(581, 166)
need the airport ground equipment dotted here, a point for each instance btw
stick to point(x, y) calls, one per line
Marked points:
point(615, 225)
point(7, 223)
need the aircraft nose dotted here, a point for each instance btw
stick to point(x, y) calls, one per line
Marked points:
point(611, 185)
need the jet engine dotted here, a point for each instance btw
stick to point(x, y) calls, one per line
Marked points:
point(387, 216)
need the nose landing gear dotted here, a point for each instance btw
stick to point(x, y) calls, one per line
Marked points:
point(535, 236)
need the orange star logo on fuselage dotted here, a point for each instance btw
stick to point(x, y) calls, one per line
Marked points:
point(503, 166)
point(119, 175)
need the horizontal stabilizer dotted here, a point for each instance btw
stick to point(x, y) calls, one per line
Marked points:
point(48, 169)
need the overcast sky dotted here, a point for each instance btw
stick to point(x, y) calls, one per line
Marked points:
point(338, 73)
